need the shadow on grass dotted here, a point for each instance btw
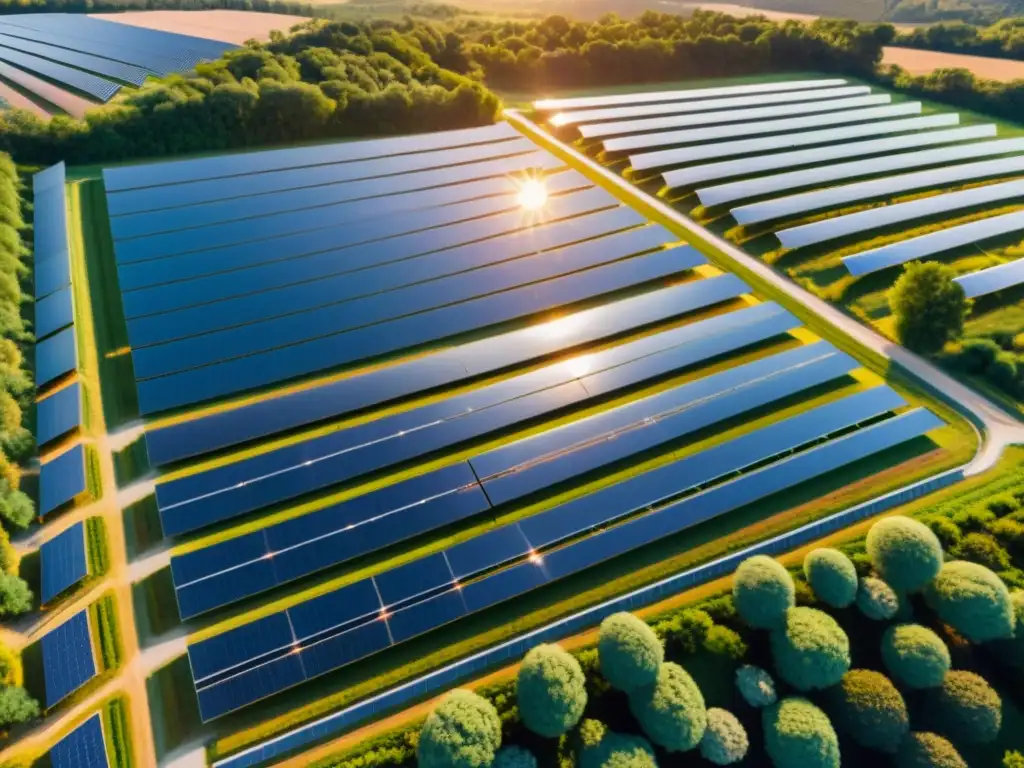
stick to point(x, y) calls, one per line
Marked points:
point(131, 463)
point(32, 666)
point(30, 570)
point(156, 607)
point(173, 706)
point(142, 529)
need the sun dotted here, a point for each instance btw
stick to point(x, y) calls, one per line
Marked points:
point(532, 194)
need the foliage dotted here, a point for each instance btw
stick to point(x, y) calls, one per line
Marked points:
point(10, 667)
point(15, 596)
point(602, 748)
point(1013, 760)
point(763, 591)
point(725, 740)
point(983, 549)
point(16, 509)
point(812, 651)
point(832, 576)
point(514, 757)
point(799, 735)
point(1011, 650)
point(1004, 39)
point(876, 599)
point(755, 685)
point(463, 731)
point(686, 631)
point(630, 653)
point(973, 600)
point(929, 308)
point(870, 709)
point(905, 552)
point(723, 641)
point(551, 691)
point(928, 750)
point(671, 711)
point(915, 655)
point(966, 708)
point(16, 706)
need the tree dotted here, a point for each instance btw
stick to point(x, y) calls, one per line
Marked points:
point(983, 549)
point(723, 641)
point(15, 508)
point(876, 599)
point(514, 757)
point(686, 631)
point(463, 731)
point(904, 552)
point(928, 750)
point(812, 651)
point(725, 740)
point(602, 748)
point(1011, 650)
point(755, 686)
point(973, 600)
point(966, 708)
point(551, 691)
point(763, 591)
point(832, 576)
point(915, 655)
point(868, 707)
point(799, 735)
point(10, 667)
point(15, 596)
point(1013, 760)
point(16, 706)
point(928, 306)
point(629, 652)
point(671, 711)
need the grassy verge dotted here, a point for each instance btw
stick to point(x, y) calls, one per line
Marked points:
point(106, 635)
point(117, 732)
point(97, 548)
point(93, 475)
point(131, 463)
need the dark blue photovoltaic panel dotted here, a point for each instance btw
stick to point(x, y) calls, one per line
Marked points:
point(53, 177)
point(425, 616)
point(128, 54)
point(84, 747)
point(279, 365)
point(337, 608)
point(61, 479)
point(357, 643)
point(68, 661)
point(58, 414)
point(54, 313)
point(254, 640)
point(349, 200)
point(251, 685)
point(52, 274)
point(96, 64)
point(92, 85)
point(412, 579)
point(487, 550)
point(55, 357)
point(415, 284)
point(63, 562)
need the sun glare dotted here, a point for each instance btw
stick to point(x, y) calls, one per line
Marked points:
point(533, 194)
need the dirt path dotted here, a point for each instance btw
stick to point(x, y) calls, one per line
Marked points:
point(922, 62)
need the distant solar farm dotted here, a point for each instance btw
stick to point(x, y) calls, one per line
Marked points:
point(446, 380)
point(73, 61)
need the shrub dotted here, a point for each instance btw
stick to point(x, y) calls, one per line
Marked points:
point(974, 519)
point(928, 306)
point(463, 731)
point(928, 750)
point(870, 709)
point(551, 691)
point(966, 708)
point(755, 686)
point(877, 600)
point(763, 591)
point(904, 552)
point(982, 549)
point(16, 508)
point(948, 532)
point(915, 655)
point(1011, 650)
point(832, 576)
point(685, 632)
point(514, 757)
point(972, 600)
point(629, 652)
point(725, 740)
point(601, 748)
point(799, 735)
point(15, 596)
point(16, 706)
point(1013, 759)
point(723, 641)
point(671, 711)
point(812, 651)
point(1002, 504)
point(10, 667)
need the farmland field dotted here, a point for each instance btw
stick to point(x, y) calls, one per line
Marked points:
point(920, 62)
point(227, 26)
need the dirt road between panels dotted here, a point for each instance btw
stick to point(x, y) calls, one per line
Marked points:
point(227, 26)
point(922, 62)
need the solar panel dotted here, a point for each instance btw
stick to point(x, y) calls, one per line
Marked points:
point(53, 313)
point(711, 171)
point(61, 480)
point(63, 562)
point(104, 90)
point(68, 661)
point(934, 242)
point(585, 102)
point(84, 747)
point(52, 177)
point(123, 53)
point(781, 206)
point(181, 171)
point(701, 119)
point(862, 221)
point(58, 414)
point(707, 105)
point(50, 238)
point(992, 279)
point(83, 61)
point(56, 356)
point(711, 133)
point(292, 410)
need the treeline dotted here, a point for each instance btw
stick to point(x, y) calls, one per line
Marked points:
point(8, 7)
point(979, 12)
point(1004, 39)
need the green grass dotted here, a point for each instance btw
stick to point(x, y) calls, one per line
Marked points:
point(131, 463)
point(106, 635)
point(174, 711)
point(117, 733)
point(97, 546)
point(93, 475)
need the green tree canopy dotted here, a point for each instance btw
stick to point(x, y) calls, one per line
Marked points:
point(799, 735)
point(928, 750)
point(671, 710)
point(551, 691)
point(514, 757)
point(463, 731)
point(915, 655)
point(868, 707)
point(16, 706)
point(15, 596)
point(812, 651)
point(973, 600)
point(832, 576)
point(755, 685)
point(629, 652)
point(876, 599)
point(966, 708)
point(763, 591)
point(904, 552)
point(16, 509)
point(928, 306)
point(10, 667)
point(602, 748)
point(1011, 650)
point(725, 740)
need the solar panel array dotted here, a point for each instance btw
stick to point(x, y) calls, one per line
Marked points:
point(68, 658)
point(63, 561)
point(84, 747)
point(61, 480)
point(59, 414)
point(94, 57)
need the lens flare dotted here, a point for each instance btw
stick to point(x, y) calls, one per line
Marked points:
point(532, 195)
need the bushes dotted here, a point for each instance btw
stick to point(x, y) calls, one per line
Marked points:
point(972, 600)
point(630, 653)
point(551, 691)
point(870, 709)
point(906, 554)
point(832, 576)
point(15, 596)
point(756, 686)
point(966, 708)
point(16, 706)
point(928, 750)
point(984, 550)
point(929, 308)
point(601, 748)
point(671, 711)
point(812, 651)
point(463, 731)
point(514, 757)
point(725, 740)
point(1011, 650)
point(915, 655)
point(763, 591)
point(799, 735)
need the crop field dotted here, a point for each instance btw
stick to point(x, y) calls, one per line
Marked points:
point(226, 26)
point(837, 186)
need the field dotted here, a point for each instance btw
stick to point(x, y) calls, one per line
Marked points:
point(227, 26)
point(919, 62)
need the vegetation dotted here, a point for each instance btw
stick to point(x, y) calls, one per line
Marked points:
point(929, 308)
point(725, 740)
point(832, 576)
point(551, 691)
point(868, 707)
point(763, 592)
point(799, 735)
point(973, 600)
point(811, 651)
point(966, 708)
point(462, 732)
point(108, 639)
point(630, 653)
point(756, 686)
point(1004, 39)
point(928, 750)
point(905, 552)
point(514, 757)
point(671, 710)
point(602, 748)
point(915, 655)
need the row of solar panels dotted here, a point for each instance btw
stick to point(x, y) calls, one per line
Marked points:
point(690, 118)
point(83, 747)
point(63, 562)
point(69, 658)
